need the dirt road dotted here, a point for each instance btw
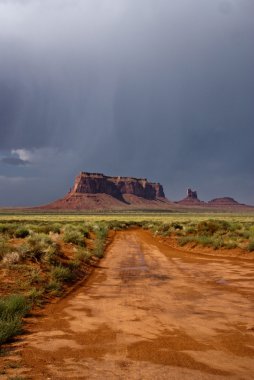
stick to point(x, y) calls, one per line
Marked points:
point(148, 312)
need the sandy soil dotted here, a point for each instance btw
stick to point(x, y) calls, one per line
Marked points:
point(148, 312)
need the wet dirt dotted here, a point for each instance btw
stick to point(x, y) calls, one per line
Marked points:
point(148, 312)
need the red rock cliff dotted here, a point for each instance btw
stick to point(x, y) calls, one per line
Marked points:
point(94, 183)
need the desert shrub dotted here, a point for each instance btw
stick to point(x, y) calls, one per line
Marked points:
point(230, 245)
point(235, 226)
point(177, 226)
point(164, 228)
point(35, 276)
point(3, 228)
point(12, 309)
point(204, 240)
point(250, 247)
point(62, 274)
point(21, 232)
point(73, 265)
point(53, 286)
point(209, 227)
point(11, 258)
point(245, 234)
point(9, 328)
point(55, 228)
point(185, 240)
point(4, 247)
point(42, 228)
point(13, 305)
point(216, 243)
point(74, 236)
point(117, 225)
point(250, 232)
point(35, 295)
point(51, 254)
point(8, 229)
point(190, 230)
point(45, 228)
point(101, 231)
point(99, 249)
point(83, 229)
point(37, 246)
point(83, 255)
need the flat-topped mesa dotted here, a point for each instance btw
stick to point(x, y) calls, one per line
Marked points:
point(224, 201)
point(95, 183)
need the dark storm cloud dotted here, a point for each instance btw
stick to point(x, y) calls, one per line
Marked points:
point(157, 89)
point(14, 161)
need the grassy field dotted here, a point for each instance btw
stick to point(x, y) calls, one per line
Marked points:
point(122, 217)
point(41, 255)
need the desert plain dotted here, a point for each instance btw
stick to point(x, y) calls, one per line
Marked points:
point(127, 296)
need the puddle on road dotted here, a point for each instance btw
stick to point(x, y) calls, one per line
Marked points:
point(222, 281)
point(138, 268)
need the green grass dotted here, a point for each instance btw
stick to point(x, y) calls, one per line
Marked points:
point(250, 247)
point(9, 328)
point(124, 217)
point(12, 309)
point(83, 255)
point(62, 274)
point(21, 232)
point(4, 247)
point(38, 246)
point(74, 237)
point(218, 234)
point(54, 287)
point(101, 232)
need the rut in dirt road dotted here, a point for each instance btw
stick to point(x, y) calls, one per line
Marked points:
point(148, 312)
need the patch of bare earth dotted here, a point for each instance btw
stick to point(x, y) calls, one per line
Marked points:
point(148, 312)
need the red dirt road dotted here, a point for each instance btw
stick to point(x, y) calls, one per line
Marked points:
point(148, 312)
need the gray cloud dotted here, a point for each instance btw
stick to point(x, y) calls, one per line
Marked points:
point(14, 161)
point(157, 89)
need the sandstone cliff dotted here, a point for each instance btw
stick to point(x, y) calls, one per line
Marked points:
point(94, 183)
point(97, 191)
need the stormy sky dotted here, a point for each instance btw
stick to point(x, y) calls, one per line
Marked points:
point(148, 88)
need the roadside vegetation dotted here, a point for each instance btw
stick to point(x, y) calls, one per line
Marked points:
point(212, 233)
point(42, 260)
point(42, 256)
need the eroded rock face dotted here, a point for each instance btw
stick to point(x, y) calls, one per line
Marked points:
point(192, 194)
point(192, 198)
point(95, 183)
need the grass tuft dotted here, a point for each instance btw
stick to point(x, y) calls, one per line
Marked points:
point(12, 309)
point(62, 274)
point(250, 247)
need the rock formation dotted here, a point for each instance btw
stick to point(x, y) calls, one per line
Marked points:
point(224, 202)
point(192, 194)
point(94, 183)
point(98, 191)
point(191, 199)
